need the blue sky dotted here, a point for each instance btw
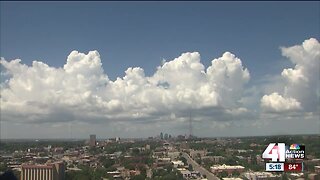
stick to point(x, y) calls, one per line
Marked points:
point(141, 34)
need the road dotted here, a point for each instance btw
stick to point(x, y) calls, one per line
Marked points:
point(199, 168)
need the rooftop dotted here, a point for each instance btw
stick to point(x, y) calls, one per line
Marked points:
point(226, 167)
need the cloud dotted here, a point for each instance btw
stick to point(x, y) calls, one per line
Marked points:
point(276, 103)
point(82, 91)
point(300, 85)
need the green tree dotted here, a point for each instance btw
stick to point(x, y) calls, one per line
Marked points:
point(170, 176)
point(108, 163)
point(223, 174)
point(138, 177)
point(199, 161)
point(183, 159)
point(3, 167)
point(284, 176)
point(231, 160)
point(236, 173)
point(168, 167)
point(135, 151)
point(129, 166)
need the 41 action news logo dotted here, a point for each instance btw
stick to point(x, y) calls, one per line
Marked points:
point(279, 152)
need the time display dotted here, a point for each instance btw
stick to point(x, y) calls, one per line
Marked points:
point(274, 166)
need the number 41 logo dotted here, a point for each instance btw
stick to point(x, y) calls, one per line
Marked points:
point(275, 152)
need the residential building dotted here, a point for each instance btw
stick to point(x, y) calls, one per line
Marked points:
point(177, 163)
point(317, 169)
point(261, 175)
point(197, 153)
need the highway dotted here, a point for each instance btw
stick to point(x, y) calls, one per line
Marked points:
point(199, 168)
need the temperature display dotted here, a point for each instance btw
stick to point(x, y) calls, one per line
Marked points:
point(293, 167)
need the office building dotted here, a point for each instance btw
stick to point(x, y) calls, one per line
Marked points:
point(161, 135)
point(52, 171)
point(166, 136)
point(93, 140)
point(229, 169)
point(117, 139)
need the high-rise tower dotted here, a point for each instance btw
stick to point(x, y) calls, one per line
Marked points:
point(93, 140)
point(190, 125)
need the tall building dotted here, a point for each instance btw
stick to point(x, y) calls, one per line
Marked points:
point(148, 147)
point(52, 171)
point(117, 139)
point(166, 136)
point(161, 135)
point(93, 140)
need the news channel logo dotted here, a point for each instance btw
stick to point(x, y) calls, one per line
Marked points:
point(279, 152)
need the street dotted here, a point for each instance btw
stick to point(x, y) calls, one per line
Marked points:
point(199, 168)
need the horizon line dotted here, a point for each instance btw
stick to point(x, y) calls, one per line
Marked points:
point(313, 134)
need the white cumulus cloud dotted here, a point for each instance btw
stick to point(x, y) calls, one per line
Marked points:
point(276, 103)
point(300, 89)
point(81, 90)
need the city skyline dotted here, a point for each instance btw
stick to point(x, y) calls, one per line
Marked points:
point(130, 69)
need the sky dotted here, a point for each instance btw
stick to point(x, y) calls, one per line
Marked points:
point(135, 69)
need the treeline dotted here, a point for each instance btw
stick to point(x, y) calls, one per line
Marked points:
point(24, 145)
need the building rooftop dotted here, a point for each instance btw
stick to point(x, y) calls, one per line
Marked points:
point(28, 166)
point(226, 167)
